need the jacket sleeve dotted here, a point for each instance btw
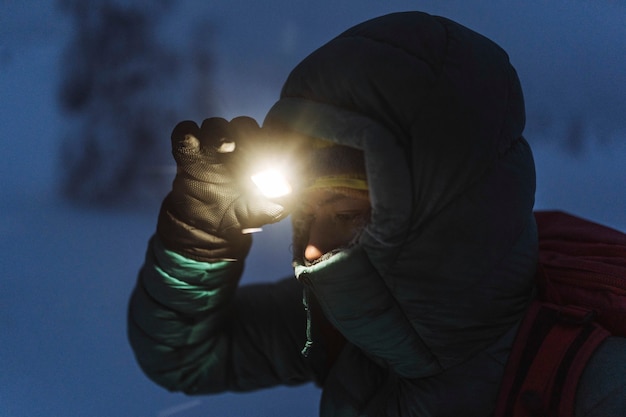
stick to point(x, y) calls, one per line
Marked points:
point(193, 330)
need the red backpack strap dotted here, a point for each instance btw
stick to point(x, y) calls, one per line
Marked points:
point(552, 347)
point(583, 263)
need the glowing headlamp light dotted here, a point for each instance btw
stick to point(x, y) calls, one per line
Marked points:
point(272, 183)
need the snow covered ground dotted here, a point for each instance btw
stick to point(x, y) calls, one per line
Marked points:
point(67, 272)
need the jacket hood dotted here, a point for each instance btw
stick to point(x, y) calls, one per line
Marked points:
point(446, 264)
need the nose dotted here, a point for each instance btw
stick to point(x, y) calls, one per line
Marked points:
point(322, 239)
point(312, 253)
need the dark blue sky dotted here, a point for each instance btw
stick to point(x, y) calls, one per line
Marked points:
point(67, 272)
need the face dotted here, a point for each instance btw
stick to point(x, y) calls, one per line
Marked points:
point(333, 220)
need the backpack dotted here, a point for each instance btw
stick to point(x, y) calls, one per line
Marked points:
point(581, 282)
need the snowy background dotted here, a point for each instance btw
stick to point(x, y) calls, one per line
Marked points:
point(67, 272)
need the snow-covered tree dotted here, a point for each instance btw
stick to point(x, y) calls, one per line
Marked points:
point(123, 88)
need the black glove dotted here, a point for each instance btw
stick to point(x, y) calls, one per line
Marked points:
point(212, 198)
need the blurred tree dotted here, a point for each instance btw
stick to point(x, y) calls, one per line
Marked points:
point(123, 88)
point(575, 135)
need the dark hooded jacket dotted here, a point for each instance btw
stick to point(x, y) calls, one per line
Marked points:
point(443, 271)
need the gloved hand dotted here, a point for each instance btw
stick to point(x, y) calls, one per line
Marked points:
point(212, 198)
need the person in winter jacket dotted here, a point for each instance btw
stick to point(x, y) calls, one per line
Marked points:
point(414, 244)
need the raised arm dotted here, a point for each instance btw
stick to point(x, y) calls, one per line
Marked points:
point(190, 327)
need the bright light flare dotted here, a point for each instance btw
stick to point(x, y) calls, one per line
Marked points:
point(272, 183)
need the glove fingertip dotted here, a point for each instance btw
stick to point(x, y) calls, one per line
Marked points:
point(184, 135)
point(244, 122)
point(213, 131)
point(241, 128)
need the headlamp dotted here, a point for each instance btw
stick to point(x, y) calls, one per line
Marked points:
point(272, 183)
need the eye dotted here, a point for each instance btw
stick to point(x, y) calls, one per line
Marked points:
point(346, 217)
point(350, 217)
